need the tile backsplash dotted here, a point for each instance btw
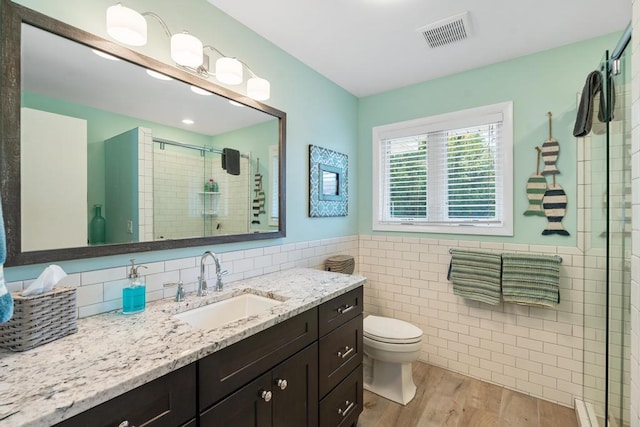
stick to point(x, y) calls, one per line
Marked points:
point(100, 291)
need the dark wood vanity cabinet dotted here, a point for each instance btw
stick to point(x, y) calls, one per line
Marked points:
point(285, 395)
point(322, 367)
point(340, 360)
point(167, 401)
point(305, 371)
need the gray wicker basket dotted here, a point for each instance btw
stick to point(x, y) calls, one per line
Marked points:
point(39, 319)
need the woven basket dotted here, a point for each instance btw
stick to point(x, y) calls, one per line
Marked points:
point(39, 319)
point(340, 264)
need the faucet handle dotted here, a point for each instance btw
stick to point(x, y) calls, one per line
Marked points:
point(180, 293)
point(222, 273)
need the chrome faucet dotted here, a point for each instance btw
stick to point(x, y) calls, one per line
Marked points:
point(202, 283)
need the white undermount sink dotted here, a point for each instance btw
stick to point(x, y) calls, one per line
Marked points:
point(226, 311)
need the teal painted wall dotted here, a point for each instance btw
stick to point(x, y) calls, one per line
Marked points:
point(318, 112)
point(538, 83)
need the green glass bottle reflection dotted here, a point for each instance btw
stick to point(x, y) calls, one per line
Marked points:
point(97, 227)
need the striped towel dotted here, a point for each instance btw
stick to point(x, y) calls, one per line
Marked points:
point(476, 275)
point(531, 279)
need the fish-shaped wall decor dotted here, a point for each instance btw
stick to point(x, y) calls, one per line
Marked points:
point(554, 204)
point(536, 187)
point(550, 151)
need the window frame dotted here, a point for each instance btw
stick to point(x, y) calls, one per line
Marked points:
point(442, 122)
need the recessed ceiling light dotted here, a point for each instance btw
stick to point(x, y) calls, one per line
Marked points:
point(188, 121)
point(101, 54)
point(158, 75)
point(200, 91)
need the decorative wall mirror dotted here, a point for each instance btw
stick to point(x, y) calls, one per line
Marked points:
point(96, 159)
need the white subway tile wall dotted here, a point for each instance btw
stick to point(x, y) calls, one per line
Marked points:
point(533, 350)
point(635, 258)
point(180, 183)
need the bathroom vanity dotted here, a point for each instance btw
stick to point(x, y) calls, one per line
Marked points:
point(297, 364)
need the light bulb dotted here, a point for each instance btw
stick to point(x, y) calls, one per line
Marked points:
point(186, 50)
point(258, 89)
point(126, 25)
point(229, 71)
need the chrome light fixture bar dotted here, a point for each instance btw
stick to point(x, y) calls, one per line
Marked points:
point(130, 27)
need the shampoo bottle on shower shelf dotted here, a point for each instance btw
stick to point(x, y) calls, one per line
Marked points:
point(213, 185)
point(134, 295)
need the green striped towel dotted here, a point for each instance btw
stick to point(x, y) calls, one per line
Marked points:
point(476, 275)
point(531, 279)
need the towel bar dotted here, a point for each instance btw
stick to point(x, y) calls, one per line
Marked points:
point(557, 256)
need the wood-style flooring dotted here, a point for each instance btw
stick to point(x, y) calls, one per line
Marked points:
point(445, 398)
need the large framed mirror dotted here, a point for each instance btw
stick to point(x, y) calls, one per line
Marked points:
point(120, 153)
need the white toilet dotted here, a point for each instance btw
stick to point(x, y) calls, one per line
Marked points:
point(391, 345)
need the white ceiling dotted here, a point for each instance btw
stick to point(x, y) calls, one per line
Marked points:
point(371, 46)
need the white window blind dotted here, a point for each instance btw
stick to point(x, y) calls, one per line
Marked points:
point(452, 171)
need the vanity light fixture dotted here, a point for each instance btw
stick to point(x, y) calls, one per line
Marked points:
point(258, 89)
point(126, 25)
point(188, 121)
point(186, 50)
point(229, 71)
point(130, 27)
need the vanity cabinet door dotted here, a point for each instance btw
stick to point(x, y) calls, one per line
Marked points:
point(295, 402)
point(167, 401)
point(250, 406)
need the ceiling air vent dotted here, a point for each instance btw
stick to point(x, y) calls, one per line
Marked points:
point(445, 31)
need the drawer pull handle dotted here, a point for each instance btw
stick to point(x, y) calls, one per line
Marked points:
point(265, 395)
point(345, 309)
point(347, 409)
point(125, 423)
point(347, 351)
point(281, 383)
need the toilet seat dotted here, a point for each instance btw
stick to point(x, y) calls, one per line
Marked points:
point(391, 331)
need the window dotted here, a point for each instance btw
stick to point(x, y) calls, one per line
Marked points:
point(450, 173)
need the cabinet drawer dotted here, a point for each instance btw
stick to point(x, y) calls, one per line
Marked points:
point(168, 401)
point(339, 353)
point(230, 368)
point(335, 312)
point(343, 405)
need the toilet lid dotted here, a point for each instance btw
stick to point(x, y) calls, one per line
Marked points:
point(387, 329)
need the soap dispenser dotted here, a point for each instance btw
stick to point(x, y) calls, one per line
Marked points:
point(133, 296)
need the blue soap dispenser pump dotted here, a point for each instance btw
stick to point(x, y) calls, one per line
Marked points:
point(133, 296)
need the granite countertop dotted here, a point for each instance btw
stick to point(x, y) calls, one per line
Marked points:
point(113, 353)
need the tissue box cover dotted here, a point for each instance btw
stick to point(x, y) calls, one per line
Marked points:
point(39, 319)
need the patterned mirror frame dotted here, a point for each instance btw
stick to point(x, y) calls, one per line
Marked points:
point(321, 203)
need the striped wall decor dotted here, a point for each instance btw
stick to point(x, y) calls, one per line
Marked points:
point(536, 187)
point(554, 204)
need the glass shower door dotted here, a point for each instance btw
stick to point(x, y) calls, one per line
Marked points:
point(619, 242)
point(605, 162)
